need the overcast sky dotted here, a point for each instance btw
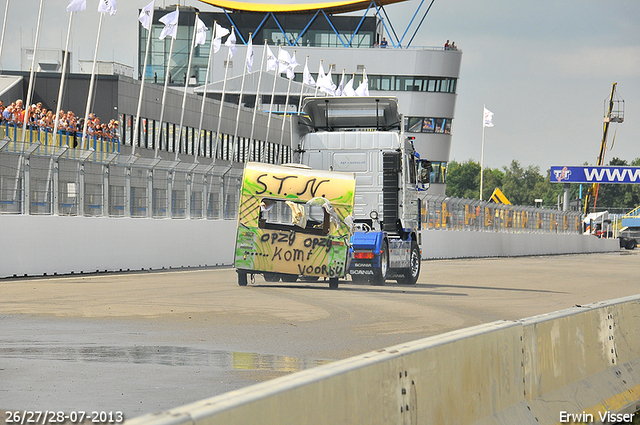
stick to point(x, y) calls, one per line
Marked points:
point(544, 68)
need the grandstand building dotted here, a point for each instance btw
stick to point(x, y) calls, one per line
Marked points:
point(424, 79)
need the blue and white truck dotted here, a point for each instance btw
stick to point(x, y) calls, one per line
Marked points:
point(365, 136)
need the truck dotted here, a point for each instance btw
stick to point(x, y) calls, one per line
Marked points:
point(294, 222)
point(365, 136)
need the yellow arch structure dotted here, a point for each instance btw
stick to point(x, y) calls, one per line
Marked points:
point(331, 7)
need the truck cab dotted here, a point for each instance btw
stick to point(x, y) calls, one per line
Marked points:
point(365, 136)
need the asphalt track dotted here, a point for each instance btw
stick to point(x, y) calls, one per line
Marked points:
point(150, 341)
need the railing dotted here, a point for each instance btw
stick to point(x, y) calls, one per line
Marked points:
point(53, 180)
point(46, 138)
point(444, 213)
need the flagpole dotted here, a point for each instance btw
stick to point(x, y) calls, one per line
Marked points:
point(273, 91)
point(144, 70)
point(91, 84)
point(286, 107)
point(257, 101)
point(318, 77)
point(56, 121)
point(235, 132)
point(482, 152)
point(224, 88)
point(186, 85)
point(204, 94)
point(27, 103)
point(4, 27)
point(306, 64)
point(164, 97)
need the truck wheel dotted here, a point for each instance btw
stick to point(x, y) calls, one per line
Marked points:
point(381, 274)
point(271, 277)
point(333, 283)
point(242, 278)
point(631, 244)
point(410, 274)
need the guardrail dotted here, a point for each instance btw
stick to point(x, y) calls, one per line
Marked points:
point(445, 213)
point(581, 364)
point(13, 132)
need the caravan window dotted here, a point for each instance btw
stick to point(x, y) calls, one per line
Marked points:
point(279, 214)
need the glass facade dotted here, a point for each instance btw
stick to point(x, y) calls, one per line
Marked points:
point(299, 30)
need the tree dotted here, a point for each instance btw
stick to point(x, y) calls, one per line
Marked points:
point(463, 180)
point(492, 178)
point(522, 186)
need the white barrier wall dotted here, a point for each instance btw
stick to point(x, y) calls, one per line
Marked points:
point(582, 361)
point(43, 244)
point(37, 245)
point(466, 244)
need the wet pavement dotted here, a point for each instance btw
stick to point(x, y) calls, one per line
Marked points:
point(146, 342)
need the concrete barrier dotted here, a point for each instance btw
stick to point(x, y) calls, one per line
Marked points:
point(37, 245)
point(44, 244)
point(584, 361)
point(438, 244)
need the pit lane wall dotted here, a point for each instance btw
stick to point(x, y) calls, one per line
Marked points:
point(442, 244)
point(36, 245)
point(583, 361)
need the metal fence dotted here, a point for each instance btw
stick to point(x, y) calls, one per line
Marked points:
point(44, 179)
point(444, 213)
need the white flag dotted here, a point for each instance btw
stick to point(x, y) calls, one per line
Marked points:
point(340, 89)
point(201, 32)
point(306, 77)
point(363, 88)
point(284, 63)
point(145, 15)
point(488, 118)
point(320, 75)
point(107, 6)
point(170, 21)
point(218, 34)
point(326, 83)
point(231, 43)
point(348, 89)
point(77, 5)
point(272, 62)
point(249, 58)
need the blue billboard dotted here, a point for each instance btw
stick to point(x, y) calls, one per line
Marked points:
point(593, 174)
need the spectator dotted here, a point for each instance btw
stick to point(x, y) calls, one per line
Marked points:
point(18, 113)
point(447, 46)
point(453, 46)
point(7, 114)
point(384, 43)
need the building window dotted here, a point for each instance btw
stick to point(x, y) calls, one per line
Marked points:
point(438, 172)
point(428, 125)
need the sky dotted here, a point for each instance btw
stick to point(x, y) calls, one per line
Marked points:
point(544, 68)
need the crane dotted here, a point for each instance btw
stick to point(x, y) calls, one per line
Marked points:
point(614, 114)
